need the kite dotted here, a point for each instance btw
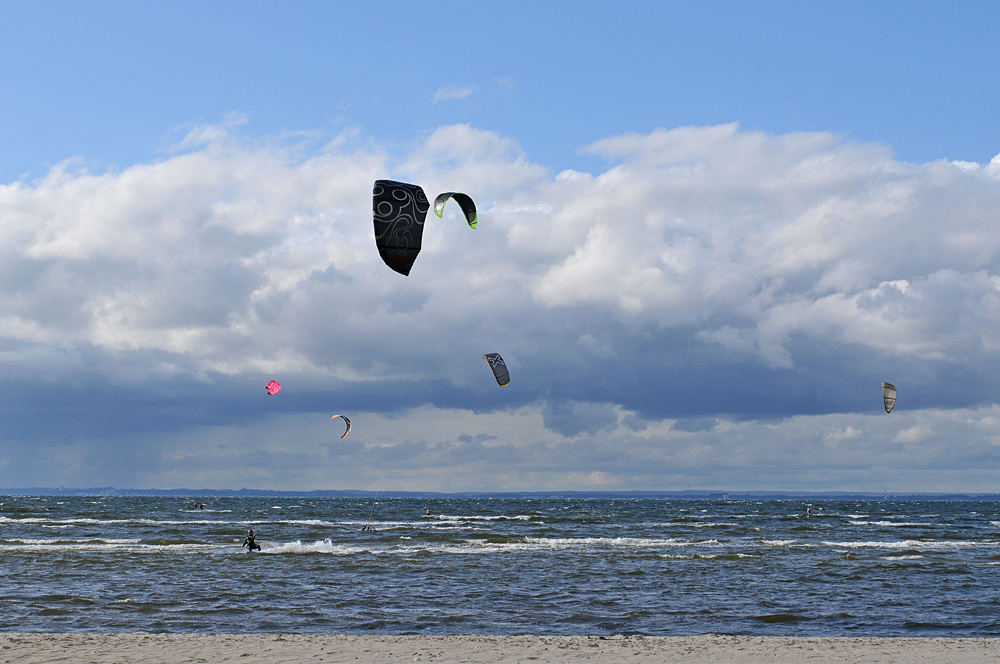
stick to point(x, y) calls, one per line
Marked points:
point(348, 425)
point(464, 201)
point(499, 368)
point(398, 211)
point(888, 396)
point(273, 387)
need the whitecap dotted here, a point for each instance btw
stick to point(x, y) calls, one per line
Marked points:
point(903, 544)
point(321, 546)
point(894, 524)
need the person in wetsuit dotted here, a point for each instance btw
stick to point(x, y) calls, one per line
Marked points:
point(249, 541)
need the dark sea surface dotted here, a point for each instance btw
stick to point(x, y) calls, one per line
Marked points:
point(504, 566)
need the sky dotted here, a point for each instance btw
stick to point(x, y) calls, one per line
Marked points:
point(707, 232)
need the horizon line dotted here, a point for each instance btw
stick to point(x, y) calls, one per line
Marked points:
point(702, 494)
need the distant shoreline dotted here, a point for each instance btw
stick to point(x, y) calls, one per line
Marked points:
point(36, 648)
point(611, 495)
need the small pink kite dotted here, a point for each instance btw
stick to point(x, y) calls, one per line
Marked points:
point(273, 387)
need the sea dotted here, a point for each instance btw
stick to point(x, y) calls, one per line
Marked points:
point(557, 566)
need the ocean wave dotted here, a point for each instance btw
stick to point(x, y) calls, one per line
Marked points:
point(110, 546)
point(169, 522)
point(631, 542)
point(404, 547)
point(321, 546)
point(476, 517)
point(893, 524)
point(92, 540)
point(707, 556)
point(905, 544)
point(693, 524)
point(242, 522)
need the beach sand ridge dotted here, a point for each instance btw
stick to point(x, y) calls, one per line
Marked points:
point(141, 648)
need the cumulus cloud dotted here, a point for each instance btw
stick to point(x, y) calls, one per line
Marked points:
point(710, 277)
point(914, 434)
point(848, 433)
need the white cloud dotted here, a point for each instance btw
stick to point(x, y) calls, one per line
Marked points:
point(753, 274)
point(203, 253)
point(848, 433)
point(452, 92)
point(914, 434)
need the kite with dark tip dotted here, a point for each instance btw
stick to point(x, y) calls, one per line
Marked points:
point(464, 201)
point(499, 368)
point(348, 424)
point(888, 396)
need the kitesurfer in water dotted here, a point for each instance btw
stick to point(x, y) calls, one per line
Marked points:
point(249, 541)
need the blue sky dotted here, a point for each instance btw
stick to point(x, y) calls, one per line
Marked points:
point(707, 230)
point(116, 82)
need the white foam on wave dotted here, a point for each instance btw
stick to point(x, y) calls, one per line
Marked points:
point(63, 523)
point(892, 524)
point(906, 544)
point(423, 525)
point(130, 547)
point(89, 520)
point(779, 542)
point(704, 556)
point(693, 524)
point(305, 522)
point(91, 540)
point(911, 557)
point(476, 517)
point(630, 542)
point(322, 546)
point(527, 544)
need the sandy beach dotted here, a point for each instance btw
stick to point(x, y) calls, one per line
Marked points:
point(30, 648)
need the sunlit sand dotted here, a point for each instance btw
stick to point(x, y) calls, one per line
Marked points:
point(244, 648)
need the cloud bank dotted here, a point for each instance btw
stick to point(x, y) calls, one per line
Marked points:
point(728, 290)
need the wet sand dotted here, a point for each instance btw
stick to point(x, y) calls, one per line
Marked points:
point(31, 648)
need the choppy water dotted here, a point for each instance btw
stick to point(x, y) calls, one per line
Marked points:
point(544, 566)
